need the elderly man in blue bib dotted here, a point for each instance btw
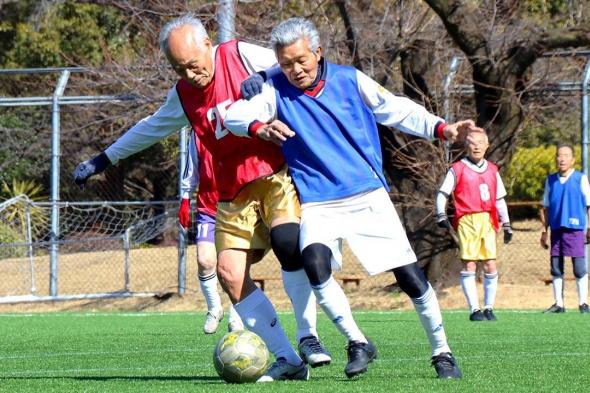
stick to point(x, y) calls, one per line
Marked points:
point(324, 116)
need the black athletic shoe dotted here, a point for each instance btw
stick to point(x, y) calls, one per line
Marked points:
point(476, 316)
point(554, 309)
point(359, 356)
point(446, 366)
point(488, 313)
point(584, 308)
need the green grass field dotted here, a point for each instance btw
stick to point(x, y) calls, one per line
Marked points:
point(143, 352)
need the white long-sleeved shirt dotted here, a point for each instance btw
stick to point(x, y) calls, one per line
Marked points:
point(388, 109)
point(170, 118)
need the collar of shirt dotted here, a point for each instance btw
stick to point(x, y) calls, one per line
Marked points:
point(318, 84)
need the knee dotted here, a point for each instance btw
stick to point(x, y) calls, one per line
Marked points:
point(580, 267)
point(316, 262)
point(284, 239)
point(411, 280)
point(556, 271)
point(206, 264)
point(227, 276)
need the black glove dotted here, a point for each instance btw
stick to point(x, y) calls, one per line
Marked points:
point(443, 221)
point(90, 167)
point(507, 232)
point(252, 85)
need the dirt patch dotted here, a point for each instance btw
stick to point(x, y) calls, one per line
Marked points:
point(522, 266)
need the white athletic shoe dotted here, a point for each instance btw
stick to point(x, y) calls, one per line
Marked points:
point(283, 371)
point(212, 321)
point(313, 353)
point(233, 326)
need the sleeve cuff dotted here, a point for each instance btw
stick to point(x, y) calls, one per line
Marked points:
point(438, 130)
point(254, 127)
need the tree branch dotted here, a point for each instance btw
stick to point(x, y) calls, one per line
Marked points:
point(462, 20)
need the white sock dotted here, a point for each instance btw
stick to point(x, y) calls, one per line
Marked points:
point(209, 288)
point(259, 316)
point(490, 285)
point(470, 289)
point(303, 300)
point(429, 312)
point(333, 301)
point(234, 317)
point(582, 284)
point(558, 290)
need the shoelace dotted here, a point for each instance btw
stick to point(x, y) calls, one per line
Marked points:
point(314, 345)
point(355, 348)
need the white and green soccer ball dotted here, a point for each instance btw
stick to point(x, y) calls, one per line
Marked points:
point(241, 356)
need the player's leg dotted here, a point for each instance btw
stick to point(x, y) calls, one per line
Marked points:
point(471, 244)
point(573, 244)
point(377, 238)
point(258, 313)
point(488, 255)
point(322, 228)
point(207, 272)
point(490, 287)
point(332, 299)
point(281, 210)
point(235, 235)
point(412, 281)
point(556, 264)
point(469, 286)
point(581, 274)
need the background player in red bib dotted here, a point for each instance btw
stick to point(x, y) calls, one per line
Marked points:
point(478, 194)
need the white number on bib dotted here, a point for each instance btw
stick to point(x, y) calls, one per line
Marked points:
point(217, 113)
point(484, 192)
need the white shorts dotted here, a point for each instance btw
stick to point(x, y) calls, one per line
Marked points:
point(368, 222)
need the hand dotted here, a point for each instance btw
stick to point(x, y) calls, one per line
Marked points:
point(276, 132)
point(460, 130)
point(89, 168)
point(544, 240)
point(507, 232)
point(184, 213)
point(252, 85)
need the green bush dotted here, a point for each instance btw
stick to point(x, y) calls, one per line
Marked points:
point(524, 177)
point(10, 235)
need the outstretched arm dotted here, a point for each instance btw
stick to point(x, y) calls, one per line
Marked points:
point(408, 116)
point(168, 119)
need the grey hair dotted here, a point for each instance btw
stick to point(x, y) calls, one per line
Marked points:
point(187, 19)
point(291, 30)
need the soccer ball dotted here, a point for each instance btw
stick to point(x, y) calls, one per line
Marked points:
point(241, 356)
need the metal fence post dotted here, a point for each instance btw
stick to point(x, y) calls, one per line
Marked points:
point(30, 247)
point(55, 154)
point(126, 247)
point(226, 16)
point(182, 234)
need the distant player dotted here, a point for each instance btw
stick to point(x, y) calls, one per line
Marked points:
point(566, 208)
point(199, 172)
point(324, 115)
point(478, 193)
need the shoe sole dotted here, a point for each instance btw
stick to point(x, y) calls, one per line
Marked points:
point(363, 370)
point(318, 364)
